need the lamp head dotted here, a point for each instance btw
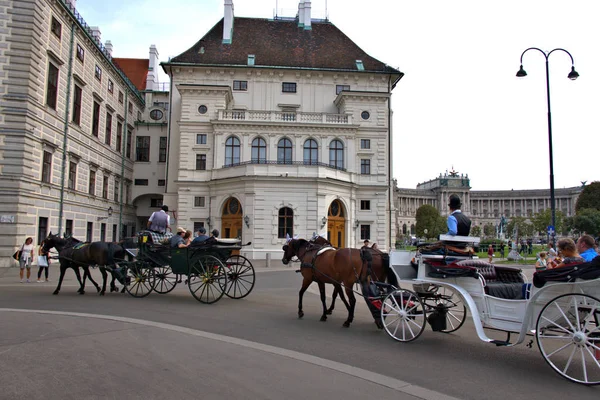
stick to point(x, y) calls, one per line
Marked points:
point(573, 74)
point(110, 211)
point(521, 72)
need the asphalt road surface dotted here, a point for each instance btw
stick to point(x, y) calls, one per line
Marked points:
point(171, 346)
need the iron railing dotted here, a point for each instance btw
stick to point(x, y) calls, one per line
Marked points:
point(271, 162)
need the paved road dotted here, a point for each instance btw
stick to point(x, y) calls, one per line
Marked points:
point(171, 346)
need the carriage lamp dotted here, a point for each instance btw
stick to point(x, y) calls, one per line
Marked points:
point(208, 221)
point(323, 221)
point(247, 221)
point(356, 223)
point(109, 212)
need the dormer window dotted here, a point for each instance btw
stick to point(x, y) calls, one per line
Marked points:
point(359, 65)
point(251, 59)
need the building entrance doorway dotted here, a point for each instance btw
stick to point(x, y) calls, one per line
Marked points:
point(336, 224)
point(231, 219)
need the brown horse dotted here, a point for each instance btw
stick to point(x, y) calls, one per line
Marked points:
point(337, 267)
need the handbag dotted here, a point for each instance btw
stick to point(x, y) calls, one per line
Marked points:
point(42, 261)
point(17, 255)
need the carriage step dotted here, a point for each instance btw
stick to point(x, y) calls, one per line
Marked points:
point(501, 342)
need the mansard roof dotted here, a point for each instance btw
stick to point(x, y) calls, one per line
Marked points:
point(136, 69)
point(283, 44)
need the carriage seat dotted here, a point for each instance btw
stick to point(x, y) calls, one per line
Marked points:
point(500, 281)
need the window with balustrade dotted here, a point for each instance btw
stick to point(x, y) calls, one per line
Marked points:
point(284, 151)
point(232, 151)
point(311, 152)
point(336, 154)
point(259, 151)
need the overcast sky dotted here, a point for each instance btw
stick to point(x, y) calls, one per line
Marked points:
point(459, 104)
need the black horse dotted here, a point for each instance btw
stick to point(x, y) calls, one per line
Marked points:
point(75, 254)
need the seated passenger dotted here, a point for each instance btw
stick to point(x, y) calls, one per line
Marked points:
point(568, 251)
point(458, 223)
point(542, 262)
point(586, 247)
point(202, 236)
point(177, 241)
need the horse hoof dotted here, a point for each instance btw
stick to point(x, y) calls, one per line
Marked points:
point(329, 312)
point(300, 314)
point(98, 289)
point(379, 324)
point(55, 292)
point(346, 324)
point(81, 291)
point(101, 294)
point(323, 318)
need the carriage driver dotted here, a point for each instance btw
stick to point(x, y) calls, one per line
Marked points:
point(458, 223)
point(159, 221)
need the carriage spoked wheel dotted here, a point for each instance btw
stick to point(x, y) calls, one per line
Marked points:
point(207, 279)
point(139, 279)
point(164, 279)
point(403, 315)
point(240, 277)
point(445, 300)
point(568, 336)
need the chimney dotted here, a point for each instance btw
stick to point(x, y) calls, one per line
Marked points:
point(228, 22)
point(73, 3)
point(96, 33)
point(109, 48)
point(301, 14)
point(307, 25)
point(151, 80)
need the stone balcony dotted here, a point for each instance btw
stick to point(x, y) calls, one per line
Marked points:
point(284, 117)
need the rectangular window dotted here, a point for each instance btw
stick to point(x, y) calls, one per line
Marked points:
point(103, 232)
point(365, 167)
point(105, 187)
point(365, 143)
point(365, 232)
point(110, 86)
point(198, 225)
point(141, 182)
point(162, 149)
point(108, 132)
point(120, 97)
point(199, 201)
point(92, 183)
point(201, 162)
point(240, 85)
point(288, 87)
point(161, 182)
point(128, 149)
point(156, 203)
point(116, 193)
point(119, 143)
point(80, 53)
point(52, 86)
point(77, 105)
point(130, 108)
point(114, 233)
point(98, 73)
point(89, 233)
point(56, 27)
point(127, 193)
point(42, 229)
point(142, 148)
point(365, 204)
point(201, 138)
point(47, 167)
point(340, 88)
point(69, 228)
point(72, 175)
point(96, 119)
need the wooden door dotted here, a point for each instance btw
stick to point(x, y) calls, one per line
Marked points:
point(336, 224)
point(231, 220)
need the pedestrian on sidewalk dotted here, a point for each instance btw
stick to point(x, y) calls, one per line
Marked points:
point(26, 258)
point(43, 259)
point(490, 253)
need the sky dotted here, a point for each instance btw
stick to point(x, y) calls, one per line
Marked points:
point(459, 105)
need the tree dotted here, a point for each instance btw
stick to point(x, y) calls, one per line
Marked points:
point(589, 197)
point(428, 217)
point(520, 227)
point(543, 219)
point(476, 231)
point(489, 230)
point(586, 221)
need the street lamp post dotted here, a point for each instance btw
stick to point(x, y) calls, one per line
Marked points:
point(572, 75)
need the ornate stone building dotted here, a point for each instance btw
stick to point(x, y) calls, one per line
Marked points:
point(281, 127)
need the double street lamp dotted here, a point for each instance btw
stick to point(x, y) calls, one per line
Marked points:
point(572, 76)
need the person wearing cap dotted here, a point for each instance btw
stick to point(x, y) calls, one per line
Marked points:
point(159, 221)
point(458, 223)
point(202, 236)
point(177, 241)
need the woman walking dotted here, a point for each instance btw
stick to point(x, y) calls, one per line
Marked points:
point(490, 253)
point(43, 259)
point(26, 257)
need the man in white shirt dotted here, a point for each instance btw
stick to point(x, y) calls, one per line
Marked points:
point(159, 221)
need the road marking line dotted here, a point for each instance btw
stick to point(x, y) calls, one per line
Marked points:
point(370, 376)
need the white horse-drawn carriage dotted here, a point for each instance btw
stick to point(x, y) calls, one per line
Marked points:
point(439, 285)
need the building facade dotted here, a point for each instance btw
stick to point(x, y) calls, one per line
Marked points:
point(272, 137)
point(67, 122)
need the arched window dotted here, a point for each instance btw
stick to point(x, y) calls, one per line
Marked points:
point(259, 151)
point(336, 154)
point(232, 151)
point(285, 223)
point(311, 152)
point(404, 229)
point(284, 151)
point(412, 229)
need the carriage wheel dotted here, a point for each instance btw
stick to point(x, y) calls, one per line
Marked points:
point(207, 279)
point(164, 279)
point(448, 301)
point(240, 276)
point(139, 279)
point(568, 336)
point(403, 315)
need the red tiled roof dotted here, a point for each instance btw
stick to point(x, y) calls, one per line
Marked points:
point(281, 43)
point(136, 69)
